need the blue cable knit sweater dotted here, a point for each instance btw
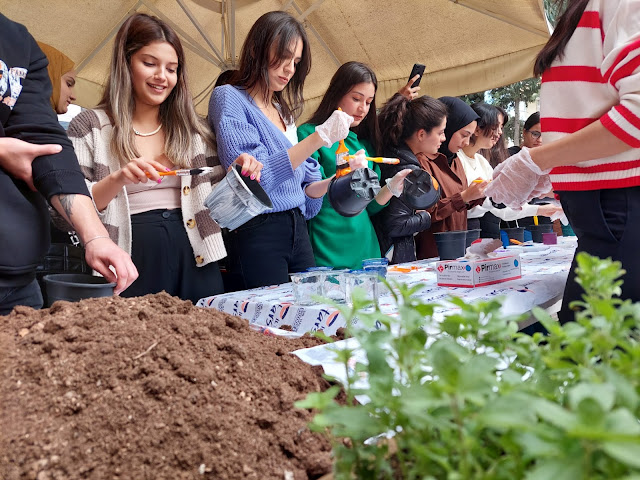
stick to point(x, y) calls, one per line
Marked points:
point(241, 127)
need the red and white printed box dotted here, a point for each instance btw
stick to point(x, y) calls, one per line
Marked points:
point(478, 273)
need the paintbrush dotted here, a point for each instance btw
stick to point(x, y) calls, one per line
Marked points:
point(184, 172)
point(390, 161)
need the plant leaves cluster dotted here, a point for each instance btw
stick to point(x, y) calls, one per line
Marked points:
point(475, 399)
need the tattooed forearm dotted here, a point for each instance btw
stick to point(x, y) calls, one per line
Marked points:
point(66, 201)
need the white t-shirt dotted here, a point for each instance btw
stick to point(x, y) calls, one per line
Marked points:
point(478, 167)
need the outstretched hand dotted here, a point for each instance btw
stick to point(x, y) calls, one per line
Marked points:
point(517, 180)
point(16, 157)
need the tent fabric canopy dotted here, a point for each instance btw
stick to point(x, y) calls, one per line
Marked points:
point(466, 45)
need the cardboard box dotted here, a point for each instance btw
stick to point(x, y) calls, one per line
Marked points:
point(478, 273)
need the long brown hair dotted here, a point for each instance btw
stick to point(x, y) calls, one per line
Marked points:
point(567, 24)
point(345, 78)
point(281, 30)
point(400, 118)
point(177, 113)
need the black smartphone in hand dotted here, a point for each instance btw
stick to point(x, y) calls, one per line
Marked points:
point(418, 69)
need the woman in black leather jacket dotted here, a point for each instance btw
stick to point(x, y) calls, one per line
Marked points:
point(409, 128)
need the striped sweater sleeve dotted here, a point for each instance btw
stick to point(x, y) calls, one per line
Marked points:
point(621, 70)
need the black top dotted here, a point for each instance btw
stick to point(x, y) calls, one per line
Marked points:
point(26, 114)
point(513, 150)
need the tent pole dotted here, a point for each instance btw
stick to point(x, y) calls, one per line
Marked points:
point(106, 40)
point(194, 45)
point(201, 31)
point(316, 34)
point(314, 6)
point(503, 18)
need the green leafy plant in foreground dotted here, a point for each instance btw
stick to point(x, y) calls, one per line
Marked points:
point(474, 399)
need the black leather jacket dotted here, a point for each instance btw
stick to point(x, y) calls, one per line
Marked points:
point(398, 223)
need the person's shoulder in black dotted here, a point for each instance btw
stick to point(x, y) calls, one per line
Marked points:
point(513, 150)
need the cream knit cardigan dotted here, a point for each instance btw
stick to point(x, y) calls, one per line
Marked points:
point(90, 132)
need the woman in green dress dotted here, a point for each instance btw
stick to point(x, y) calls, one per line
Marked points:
point(337, 241)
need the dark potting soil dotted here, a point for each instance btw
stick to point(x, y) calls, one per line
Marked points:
point(152, 388)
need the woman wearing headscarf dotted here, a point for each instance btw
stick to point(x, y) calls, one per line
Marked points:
point(62, 76)
point(457, 195)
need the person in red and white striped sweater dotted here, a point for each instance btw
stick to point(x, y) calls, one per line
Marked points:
point(590, 108)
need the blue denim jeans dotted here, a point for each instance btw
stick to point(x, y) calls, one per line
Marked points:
point(28, 295)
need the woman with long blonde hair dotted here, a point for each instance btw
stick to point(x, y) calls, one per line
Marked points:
point(145, 124)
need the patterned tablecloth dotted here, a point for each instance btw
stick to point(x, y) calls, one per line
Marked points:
point(544, 274)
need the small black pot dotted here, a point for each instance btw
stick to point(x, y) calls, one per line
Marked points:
point(349, 195)
point(419, 191)
point(515, 233)
point(75, 286)
point(451, 245)
point(538, 230)
point(472, 235)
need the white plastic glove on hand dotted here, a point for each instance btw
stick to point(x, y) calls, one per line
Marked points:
point(359, 160)
point(517, 180)
point(395, 184)
point(560, 216)
point(335, 128)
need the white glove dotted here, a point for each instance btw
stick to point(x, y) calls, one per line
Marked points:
point(359, 160)
point(335, 128)
point(560, 216)
point(395, 184)
point(517, 180)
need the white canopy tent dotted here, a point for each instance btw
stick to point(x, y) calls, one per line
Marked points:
point(467, 45)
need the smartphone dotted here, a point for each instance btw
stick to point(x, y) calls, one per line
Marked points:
point(418, 68)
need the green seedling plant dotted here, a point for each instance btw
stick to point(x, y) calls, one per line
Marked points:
point(475, 399)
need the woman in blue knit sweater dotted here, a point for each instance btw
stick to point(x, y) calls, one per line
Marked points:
point(255, 113)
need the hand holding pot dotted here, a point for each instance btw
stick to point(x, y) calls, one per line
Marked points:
point(395, 184)
point(517, 180)
point(112, 262)
point(335, 128)
point(250, 166)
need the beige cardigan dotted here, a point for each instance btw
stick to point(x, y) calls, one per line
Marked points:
point(90, 132)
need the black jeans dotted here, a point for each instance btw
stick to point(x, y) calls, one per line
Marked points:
point(28, 295)
point(607, 224)
point(164, 258)
point(267, 248)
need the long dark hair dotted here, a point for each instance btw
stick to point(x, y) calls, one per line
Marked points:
point(345, 78)
point(567, 24)
point(177, 113)
point(281, 30)
point(400, 117)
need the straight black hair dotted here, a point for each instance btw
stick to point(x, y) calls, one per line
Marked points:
point(567, 24)
point(533, 119)
point(400, 117)
point(281, 30)
point(345, 78)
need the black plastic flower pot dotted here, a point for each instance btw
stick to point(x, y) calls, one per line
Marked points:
point(451, 245)
point(472, 235)
point(420, 190)
point(515, 233)
point(73, 287)
point(538, 230)
point(349, 195)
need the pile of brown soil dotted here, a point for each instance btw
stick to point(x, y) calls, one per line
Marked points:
point(152, 388)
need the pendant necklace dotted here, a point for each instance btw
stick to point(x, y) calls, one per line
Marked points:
point(147, 134)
